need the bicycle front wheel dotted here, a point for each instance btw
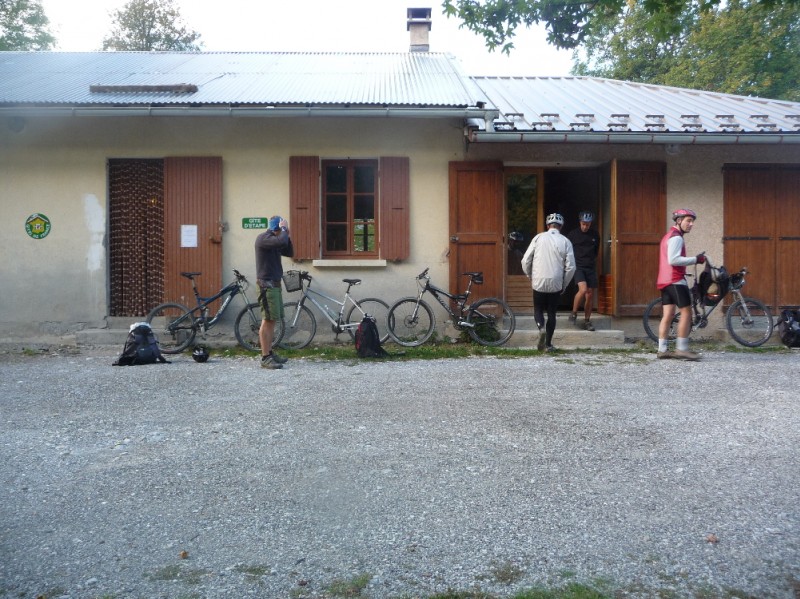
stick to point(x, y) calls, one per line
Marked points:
point(749, 322)
point(248, 325)
point(490, 322)
point(174, 327)
point(652, 321)
point(410, 322)
point(376, 308)
point(299, 326)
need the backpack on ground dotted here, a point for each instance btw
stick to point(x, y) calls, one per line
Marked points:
point(789, 328)
point(714, 284)
point(141, 347)
point(368, 340)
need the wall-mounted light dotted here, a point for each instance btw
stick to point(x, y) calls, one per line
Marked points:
point(672, 149)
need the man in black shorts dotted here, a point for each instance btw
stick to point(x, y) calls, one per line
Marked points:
point(586, 245)
point(674, 289)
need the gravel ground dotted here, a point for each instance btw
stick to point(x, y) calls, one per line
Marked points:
point(646, 477)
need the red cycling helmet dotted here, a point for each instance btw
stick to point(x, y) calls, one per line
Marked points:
point(681, 212)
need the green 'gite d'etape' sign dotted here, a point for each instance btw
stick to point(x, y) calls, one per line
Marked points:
point(254, 223)
point(37, 226)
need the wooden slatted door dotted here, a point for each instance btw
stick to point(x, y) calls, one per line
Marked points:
point(192, 226)
point(638, 222)
point(476, 226)
point(762, 230)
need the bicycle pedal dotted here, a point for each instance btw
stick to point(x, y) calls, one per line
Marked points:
point(464, 323)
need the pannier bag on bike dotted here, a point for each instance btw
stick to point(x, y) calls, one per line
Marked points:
point(141, 347)
point(789, 328)
point(368, 340)
point(714, 284)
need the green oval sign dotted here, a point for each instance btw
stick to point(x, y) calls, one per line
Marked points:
point(37, 226)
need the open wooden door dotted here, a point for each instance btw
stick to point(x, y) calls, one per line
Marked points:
point(638, 222)
point(476, 226)
point(192, 226)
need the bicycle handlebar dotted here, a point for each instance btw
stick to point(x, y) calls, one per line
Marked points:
point(424, 273)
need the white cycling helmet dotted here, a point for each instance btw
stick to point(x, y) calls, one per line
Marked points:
point(554, 218)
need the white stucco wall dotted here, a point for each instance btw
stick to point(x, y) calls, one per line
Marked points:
point(58, 167)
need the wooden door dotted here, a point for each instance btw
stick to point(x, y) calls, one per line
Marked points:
point(638, 222)
point(476, 226)
point(787, 211)
point(762, 230)
point(193, 226)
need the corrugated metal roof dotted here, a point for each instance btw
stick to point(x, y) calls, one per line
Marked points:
point(431, 84)
point(590, 104)
point(415, 79)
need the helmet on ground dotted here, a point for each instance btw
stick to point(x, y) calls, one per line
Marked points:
point(515, 236)
point(586, 217)
point(200, 354)
point(681, 212)
point(554, 218)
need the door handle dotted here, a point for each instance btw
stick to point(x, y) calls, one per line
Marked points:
point(454, 238)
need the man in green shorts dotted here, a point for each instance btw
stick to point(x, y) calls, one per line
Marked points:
point(270, 246)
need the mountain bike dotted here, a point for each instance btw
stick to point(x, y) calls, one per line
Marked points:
point(489, 321)
point(176, 325)
point(300, 324)
point(748, 320)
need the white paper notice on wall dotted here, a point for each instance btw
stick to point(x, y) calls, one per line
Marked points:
point(188, 236)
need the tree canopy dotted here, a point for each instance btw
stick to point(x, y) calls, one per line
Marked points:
point(24, 26)
point(150, 25)
point(741, 48)
point(568, 22)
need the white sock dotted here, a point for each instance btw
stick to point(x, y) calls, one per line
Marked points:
point(682, 343)
point(663, 345)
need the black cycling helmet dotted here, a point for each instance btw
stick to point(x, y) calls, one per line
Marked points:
point(586, 217)
point(200, 354)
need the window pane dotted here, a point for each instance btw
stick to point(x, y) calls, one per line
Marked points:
point(336, 238)
point(364, 237)
point(335, 179)
point(364, 179)
point(364, 208)
point(336, 208)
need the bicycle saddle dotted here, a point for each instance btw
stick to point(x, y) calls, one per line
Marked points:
point(352, 281)
point(189, 275)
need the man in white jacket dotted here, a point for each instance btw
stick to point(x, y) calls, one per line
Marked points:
point(549, 263)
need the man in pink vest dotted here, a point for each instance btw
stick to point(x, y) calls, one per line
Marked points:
point(674, 289)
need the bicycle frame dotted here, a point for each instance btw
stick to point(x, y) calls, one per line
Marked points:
point(701, 312)
point(309, 294)
point(460, 299)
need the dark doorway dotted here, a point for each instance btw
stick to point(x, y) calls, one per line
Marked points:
point(570, 192)
point(136, 235)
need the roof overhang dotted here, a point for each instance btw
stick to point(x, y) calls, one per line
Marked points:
point(598, 137)
point(475, 112)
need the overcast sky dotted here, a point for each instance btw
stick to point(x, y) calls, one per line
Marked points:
point(314, 25)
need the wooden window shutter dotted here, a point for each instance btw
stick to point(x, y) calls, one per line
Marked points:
point(394, 215)
point(304, 206)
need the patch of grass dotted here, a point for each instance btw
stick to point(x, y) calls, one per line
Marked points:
point(571, 591)
point(349, 588)
point(506, 572)
point(177, 573)
point(252, 572)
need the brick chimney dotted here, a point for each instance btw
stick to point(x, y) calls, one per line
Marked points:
point(419, 24)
